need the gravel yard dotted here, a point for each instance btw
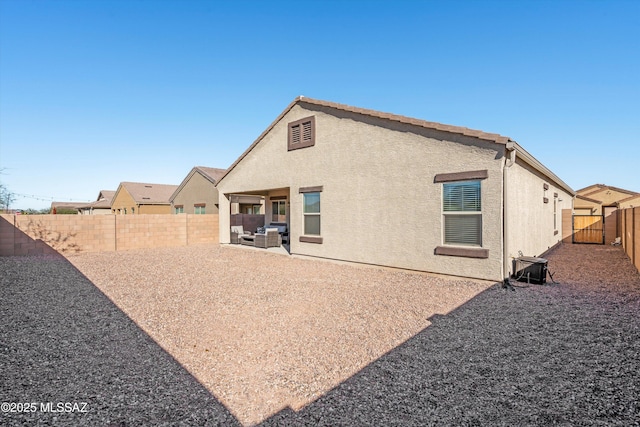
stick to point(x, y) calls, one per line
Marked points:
point(262, 331)
point(278, 340)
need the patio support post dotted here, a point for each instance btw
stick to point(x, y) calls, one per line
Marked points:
point(224, 217)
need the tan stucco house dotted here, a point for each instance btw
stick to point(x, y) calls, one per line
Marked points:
point(102, 205)
point(369, 187)
point(599, 199)
point(142, 198)
point(197, 194)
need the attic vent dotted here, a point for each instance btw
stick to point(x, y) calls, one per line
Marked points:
point(302, 133)
point(148, 186)
point(146, 198)
point(295, 134)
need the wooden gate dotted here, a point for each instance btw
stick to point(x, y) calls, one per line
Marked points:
point(588, 229)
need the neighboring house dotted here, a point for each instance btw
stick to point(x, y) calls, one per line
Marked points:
point(102, 205)
point(66, 207)
point(599, 199)
point(586, 206)
point(142, 198)
point(364, 186)
point(197, 194)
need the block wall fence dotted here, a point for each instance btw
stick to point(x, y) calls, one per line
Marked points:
point(66, 234)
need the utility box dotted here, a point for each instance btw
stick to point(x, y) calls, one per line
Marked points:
point(530, 270)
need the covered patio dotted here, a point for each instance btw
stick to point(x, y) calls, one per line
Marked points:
point(243, 226)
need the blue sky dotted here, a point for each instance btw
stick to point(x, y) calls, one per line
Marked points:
point(93, 93)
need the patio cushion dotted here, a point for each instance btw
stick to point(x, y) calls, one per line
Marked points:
point(237, 229)
point(282, 228)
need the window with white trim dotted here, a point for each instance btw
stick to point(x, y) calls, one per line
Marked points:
point(311, 212)
point(462, 213)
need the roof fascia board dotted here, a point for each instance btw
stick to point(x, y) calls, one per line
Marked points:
point(493, 137)
point(366, 112)
point(115, 196)
point(184, 182)
point(262, 135)
point(525, 156)
point(587, 199)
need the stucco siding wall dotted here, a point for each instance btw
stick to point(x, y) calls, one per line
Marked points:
point(197, 189)
point(152, 209)
point(379, 203)
point(630, 203)
point(531, 220)
point(122, 200)
point(584, 207)
point(608, 196)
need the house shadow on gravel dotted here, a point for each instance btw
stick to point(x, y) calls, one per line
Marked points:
point(536, 356)
point(543, 355)
point(69, 356)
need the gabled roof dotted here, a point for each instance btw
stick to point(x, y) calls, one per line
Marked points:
point(590, 188)
point(493, 137)
point(106, 195)
point(598, 202)
point(210, 174)
point(147, 193)
point(102, 202)
point(596, 188)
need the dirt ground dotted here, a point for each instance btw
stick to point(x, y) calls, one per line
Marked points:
point(264, 332)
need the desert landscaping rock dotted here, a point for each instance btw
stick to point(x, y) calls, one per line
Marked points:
point(210, 335)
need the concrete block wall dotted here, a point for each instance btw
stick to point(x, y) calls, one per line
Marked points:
point(199, 229)
point(38, 234)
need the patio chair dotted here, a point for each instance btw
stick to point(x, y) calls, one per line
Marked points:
point(282, 229)
point(270, 239)
point(237, 231)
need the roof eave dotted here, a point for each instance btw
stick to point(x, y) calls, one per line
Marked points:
point(392, 117)
point(535, 163)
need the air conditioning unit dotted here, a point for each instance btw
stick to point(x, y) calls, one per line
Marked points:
point(530, 270)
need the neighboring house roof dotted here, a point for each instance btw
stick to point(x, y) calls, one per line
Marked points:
point(492, 137)
point(213, 174)
point(102, 202)
point(67, 205)
point(630, 198)
point(593, 189)
point(578, 196)
point(106, 194)
point(635, 196)
point(601, 193)
point(590, 188)
point(146, 193)
point(210, 174)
